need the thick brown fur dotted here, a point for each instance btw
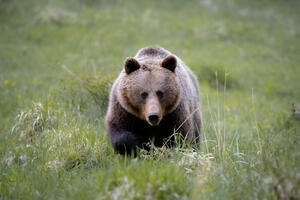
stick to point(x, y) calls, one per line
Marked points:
point(154, 83)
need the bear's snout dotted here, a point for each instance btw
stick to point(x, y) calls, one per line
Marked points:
point(153, 110)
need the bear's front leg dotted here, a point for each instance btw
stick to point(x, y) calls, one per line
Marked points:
point(124, 142)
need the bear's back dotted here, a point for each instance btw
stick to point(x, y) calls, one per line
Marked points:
point(152, 52)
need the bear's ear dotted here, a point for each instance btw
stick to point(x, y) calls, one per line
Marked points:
point(131, 65)
point(169, 63)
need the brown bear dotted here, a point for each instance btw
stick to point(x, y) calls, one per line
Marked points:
point(155, 95)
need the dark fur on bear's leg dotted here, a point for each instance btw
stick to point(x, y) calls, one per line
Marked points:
point(124, 142)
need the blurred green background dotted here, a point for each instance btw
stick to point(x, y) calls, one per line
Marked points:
point(58, 60)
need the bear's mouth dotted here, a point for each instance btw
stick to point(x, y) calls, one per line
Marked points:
point(153, 124)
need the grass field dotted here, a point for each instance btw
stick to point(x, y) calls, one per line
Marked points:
point(59, 58)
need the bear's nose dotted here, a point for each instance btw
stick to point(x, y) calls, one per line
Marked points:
point(153, 118)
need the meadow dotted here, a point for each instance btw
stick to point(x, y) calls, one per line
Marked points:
point(58, 60)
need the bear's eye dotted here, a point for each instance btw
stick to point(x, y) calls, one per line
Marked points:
point(144, 95)
point(160, 94)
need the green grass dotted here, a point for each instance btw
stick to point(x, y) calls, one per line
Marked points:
point(59, 58)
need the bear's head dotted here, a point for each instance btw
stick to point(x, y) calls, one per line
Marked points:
point(149, 89)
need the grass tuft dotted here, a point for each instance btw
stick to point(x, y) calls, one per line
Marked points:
point(99, 88)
